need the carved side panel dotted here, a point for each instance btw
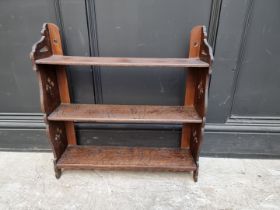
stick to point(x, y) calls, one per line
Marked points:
point(57, 137)
point(201, 93)
point(49, 93)
point(201, 90)
point(206, 52)
point(50, 87)
point(201, 98)
point(42, 48)
point(61, 74)
point(197, 89)
point(197, 132)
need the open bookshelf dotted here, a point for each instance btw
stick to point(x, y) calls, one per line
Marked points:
point(60, 114)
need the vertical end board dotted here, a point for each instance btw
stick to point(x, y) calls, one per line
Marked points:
point(196, 37)
point(191, 81)
point(49, 95)
point(49, 92)
point(55, 39)
point(197, 89)
point(199, 46)
point(56, 132)
point(53, 84)
point(56, 45)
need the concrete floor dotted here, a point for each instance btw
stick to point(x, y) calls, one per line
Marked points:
point(27, 182)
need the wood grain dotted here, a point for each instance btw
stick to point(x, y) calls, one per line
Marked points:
point(132, 158)
point(196, 94)
point(186, 136)
point(195, 43)
point(56, 47)
point(114, 61)
point(124, 114)
point(57, 138)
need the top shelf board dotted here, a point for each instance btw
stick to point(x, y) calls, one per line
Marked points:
point(115, 61)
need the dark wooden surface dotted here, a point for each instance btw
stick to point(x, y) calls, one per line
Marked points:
point(124, 113)
point(54, 89)
point(114, 61)
point(196, 93)
point(191, 84)
point(57, 136)
point(96, 157)
point(61, 74)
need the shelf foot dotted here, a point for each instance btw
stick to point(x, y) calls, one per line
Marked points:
point(57, 171)
point(195, 173)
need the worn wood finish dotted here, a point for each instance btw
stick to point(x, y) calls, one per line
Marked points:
point(196, 95)
point(194, 48)
point(58, 139)
point(48, 85)
point(49, 95)
point(130, 62)
point(185, 136)
point(124, 114)
point(56, 46)
point(132, 158)
point(60, 115)
point(53, 89)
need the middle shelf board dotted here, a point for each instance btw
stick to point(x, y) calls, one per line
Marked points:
point(115, 61)
point(125, 114)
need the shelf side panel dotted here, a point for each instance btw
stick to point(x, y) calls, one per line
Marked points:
point(196, 94)
point(56, 46)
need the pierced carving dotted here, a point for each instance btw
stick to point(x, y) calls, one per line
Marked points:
point(50, 86)
point(195, 44)
point(203, 52)
point(59, 137)
point(44, 49)
point(41, 49)
point(206, 53)
point(200, 89)
point(195, 138)
point(58, 134)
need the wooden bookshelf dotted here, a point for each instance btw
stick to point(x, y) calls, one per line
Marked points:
point(60, 114)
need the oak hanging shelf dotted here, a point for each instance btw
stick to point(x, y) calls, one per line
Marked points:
point(60, 114)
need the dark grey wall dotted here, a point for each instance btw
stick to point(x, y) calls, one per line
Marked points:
point(243, 117)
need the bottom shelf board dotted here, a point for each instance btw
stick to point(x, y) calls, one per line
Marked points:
point(126, 158)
